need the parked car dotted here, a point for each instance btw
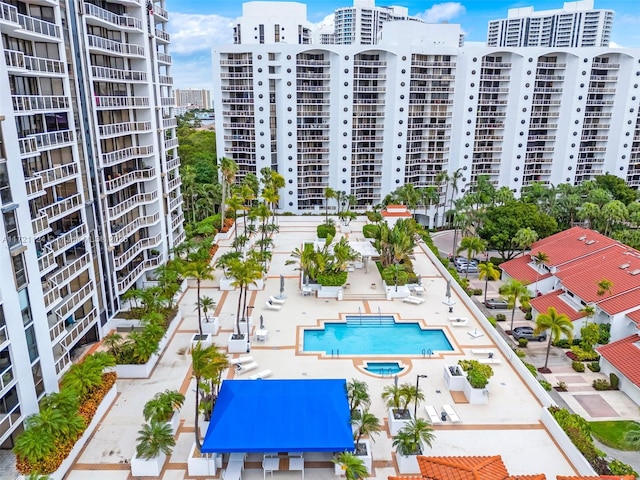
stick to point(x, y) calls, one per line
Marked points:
point(527, 332)
point(497, 303)
point(471, 268)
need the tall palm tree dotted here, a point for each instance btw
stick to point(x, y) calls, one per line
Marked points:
point(557, 323)
point(428, 196)
point(366, 423)
point(244, 272)
point(200, 270)
point(473, 246)
point(488, 271)
point(206, 303)
point(455, 177)
point(525, 237)
point(328, 193)
point(410, 437)
point(514, 291)
point(228, 171)
point(539, 259)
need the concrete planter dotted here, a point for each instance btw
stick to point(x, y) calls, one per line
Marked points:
point(226, 235)
point(147, 468)
point(367, 459)
point(174, 423)
point(237, 346)
point(455, 383)
point(395, 424)
point(225, 284)
point(329, 292)
point(477, 396)
point(203, 465)
point(243, 326)
point(407, 463)
point(390, 290)
point(138, 371)
point(207, 341)
point(259, 285)
point(211, 325)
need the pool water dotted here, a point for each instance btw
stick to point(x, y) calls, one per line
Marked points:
point(375, 335)
point(384, 368)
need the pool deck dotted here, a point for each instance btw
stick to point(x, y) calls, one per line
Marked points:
point(509, 425)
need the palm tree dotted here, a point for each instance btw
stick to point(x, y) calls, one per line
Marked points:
point(244, 272)
point(558, 324)
point(539, 258)
point(83, 377)
point(613, 212)
point(228, 170)
point(397, 272)
point(328, 193)
point(473, 246)
point(162, 406)
point(200, 270)
point(206, 304)
point(515, 291)
point(443, 177)
point(409, 439)
point(487, 271)
point(353, 467)
point(366, 423)
point(525, 237)
point(153, 439)
point(457, 175)
point(589, 311)
point(357, 394)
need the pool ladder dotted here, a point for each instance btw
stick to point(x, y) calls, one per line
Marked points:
point(427, 351)
point(337, 354)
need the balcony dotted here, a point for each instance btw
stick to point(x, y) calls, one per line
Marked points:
point(167, 101)
point(32, 144)
point(34, 187)
point(116, 129)
point(177, 220)
point(123, 259)
point(79, 328)
point(125, 154)
point(173, 183)
point(24, 63)
point(116, 74)
point(6, 376)
point(38, 27)
point(70, 271)
point(133, 202)
point(163, 36)
point(40, 226)
point(121, 102)
point(121, 232)
point(105, 16)
point(126, 49)
point(62, 207)
point(39, 104)
point(180, 237)
point(170, 143)
point(169, 123)
point(173, 163)
point(175, 202)
point(165, 80)
point(74, 300)
point(160, 13)
point(124, 282)
point(67, 239)
point(62, 363)
point(164, 58)
point(9, 15)
point(130, 178)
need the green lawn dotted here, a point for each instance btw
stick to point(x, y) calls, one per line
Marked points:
point(612, 433)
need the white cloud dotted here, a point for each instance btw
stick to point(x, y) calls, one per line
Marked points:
point(442, 12)
point(193, 33)
point(193, 72)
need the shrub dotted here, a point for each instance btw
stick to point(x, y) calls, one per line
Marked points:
point(371, 231)
point(561, 387)
point(532, 368)
point(493, 322)
point(546, 385)
point(619, 468)
point(501, 317)
point(477, 291)
point(584, 356)
point(605, 333)
point(478, 374)
point(228, 223)
point(323, 230)
point(601, 384)
point(523, 342)
point(519, 353)
point(577, 366)
point(496, 260)
point(562, 343)
point(594, 366)
point(332, 279)
point(528, 316)
point(614, 380)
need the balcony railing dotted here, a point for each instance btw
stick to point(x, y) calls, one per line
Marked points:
point(62, 206)
point(107, 16)
point(121, 260)
point(128, 204)
point(165, 58)
point(6, 376)
point(33, 103)
point(118, 74)
point(40, 225)
point(129, 178)
point(19, 60)
point(38, 26)
point(170, 143)
point(175, 202)
point(74, 299)
point(51, 294)
point(68, 239)
point(117, 47)
point(8, 13)
point(173, 163)
point(28, 146)
point(79, 328)
point(126, 281)
point(174, 183)
point(45, 141)
point(46, 261)
point(167, 101)
point(121, 232)
point(176, 221)
point(128, 153)
point(122, 102)
point(34, 186)
point(114, 129)
point(162, 35)
point(68, 272)
point(165, 80)
point(62, 363)
point(169, 122)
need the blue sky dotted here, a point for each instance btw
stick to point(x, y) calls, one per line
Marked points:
point(198, 25)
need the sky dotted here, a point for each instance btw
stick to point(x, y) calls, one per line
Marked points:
point(198, 25)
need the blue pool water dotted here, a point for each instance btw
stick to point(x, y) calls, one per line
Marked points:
point(384, 368)
point(375, 335)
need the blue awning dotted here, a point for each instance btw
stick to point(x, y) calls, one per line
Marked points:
point(280, 416)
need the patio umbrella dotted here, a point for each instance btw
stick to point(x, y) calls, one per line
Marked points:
point(448, 294)
point(419, 279)
point(261, 322)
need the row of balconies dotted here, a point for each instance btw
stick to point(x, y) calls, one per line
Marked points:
point(427, 63)
point(62, 207)
point(125, 154)
point(428, 89)
point(603, 78)
point(126, 49)
point(130, 178)
point(115, 129)
point(74, 299)
point(78, 329)
point(312, 62)
point(17, 60)
point(39, 103)
point(121, 21)
point(551, 65)
point(125, 282)
point(247, 74)
point(106, 73)
point(122, 260)
point(120, 232)
point(130, 203)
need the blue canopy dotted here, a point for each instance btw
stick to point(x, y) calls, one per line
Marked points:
point(280, 416)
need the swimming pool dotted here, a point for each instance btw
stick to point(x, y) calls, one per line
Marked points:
point(374, 335)
point(384, 368)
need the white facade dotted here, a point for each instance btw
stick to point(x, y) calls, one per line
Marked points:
point(577, 24)
point(272, 22)
point(368, 119)
point(89, 187)
point(192, 98)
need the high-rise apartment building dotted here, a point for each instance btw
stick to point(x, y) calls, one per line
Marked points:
point(193, 98)
point(272, 22)
point(89, 184)
point(578, 24)
point(369, 120)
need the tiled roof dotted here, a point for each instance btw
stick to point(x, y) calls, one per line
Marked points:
point(520, 269)
point(624, 355)
point(635, 316)
point(463, 468)
point(386, 213)
point(552, 299)
point(571, 244)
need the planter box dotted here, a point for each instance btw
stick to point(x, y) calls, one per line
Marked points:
point(475, 395)
point(259, 285)
point(66, 464)
point(147, 468)
point(329, 292)
point(203, 425)
point(226, 235)
point(407, 463)
point(211, 326)
point(238, 346)
point(243, 326)
point(202, 466)
point(207, 341)
point(395, 424)
point(455, 383)
point(225, 284)
point(345, 228)
point(390, 290)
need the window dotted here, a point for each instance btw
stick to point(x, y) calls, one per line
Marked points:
point(19, 271)
point(5, 189)
point(32, 346)
point(261, 33)
point(12, 236)
point(276, 33)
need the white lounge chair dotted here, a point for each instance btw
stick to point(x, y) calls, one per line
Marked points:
point(276, 301)
point(245, 367)
point(490, 361)
point(451, 413)
point(459, 321)
point(261, 375)
point(243, 359)
point(475, 333)
point(412, 299)
point(272, 306)
point(483, 351)
point(432, 413)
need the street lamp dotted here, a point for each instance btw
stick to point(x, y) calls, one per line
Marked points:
point(415, 404)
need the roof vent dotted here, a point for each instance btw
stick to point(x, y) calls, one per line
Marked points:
point(635, 272)
point(590, 242)
point(583, 237)
point(625, 265)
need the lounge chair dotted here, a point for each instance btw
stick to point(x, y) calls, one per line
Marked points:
point(243, 359)
point(245, 367)
point(459, 321)
point(276, 301)
point(432, 414)
point(272, 306)
point(487, 352)
point(261, 375)
point(490, 361)
point(475, 333)
point(412, 299)
point(451, 413)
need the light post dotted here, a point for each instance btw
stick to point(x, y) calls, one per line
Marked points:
point(248, 312)
point(415, 404)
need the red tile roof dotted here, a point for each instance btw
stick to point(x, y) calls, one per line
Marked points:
point(624, 355)
point(552, 299)
point(396, 211)
point(520, 269)
point(571, 244)
point(463, 468)
point(635, 316)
